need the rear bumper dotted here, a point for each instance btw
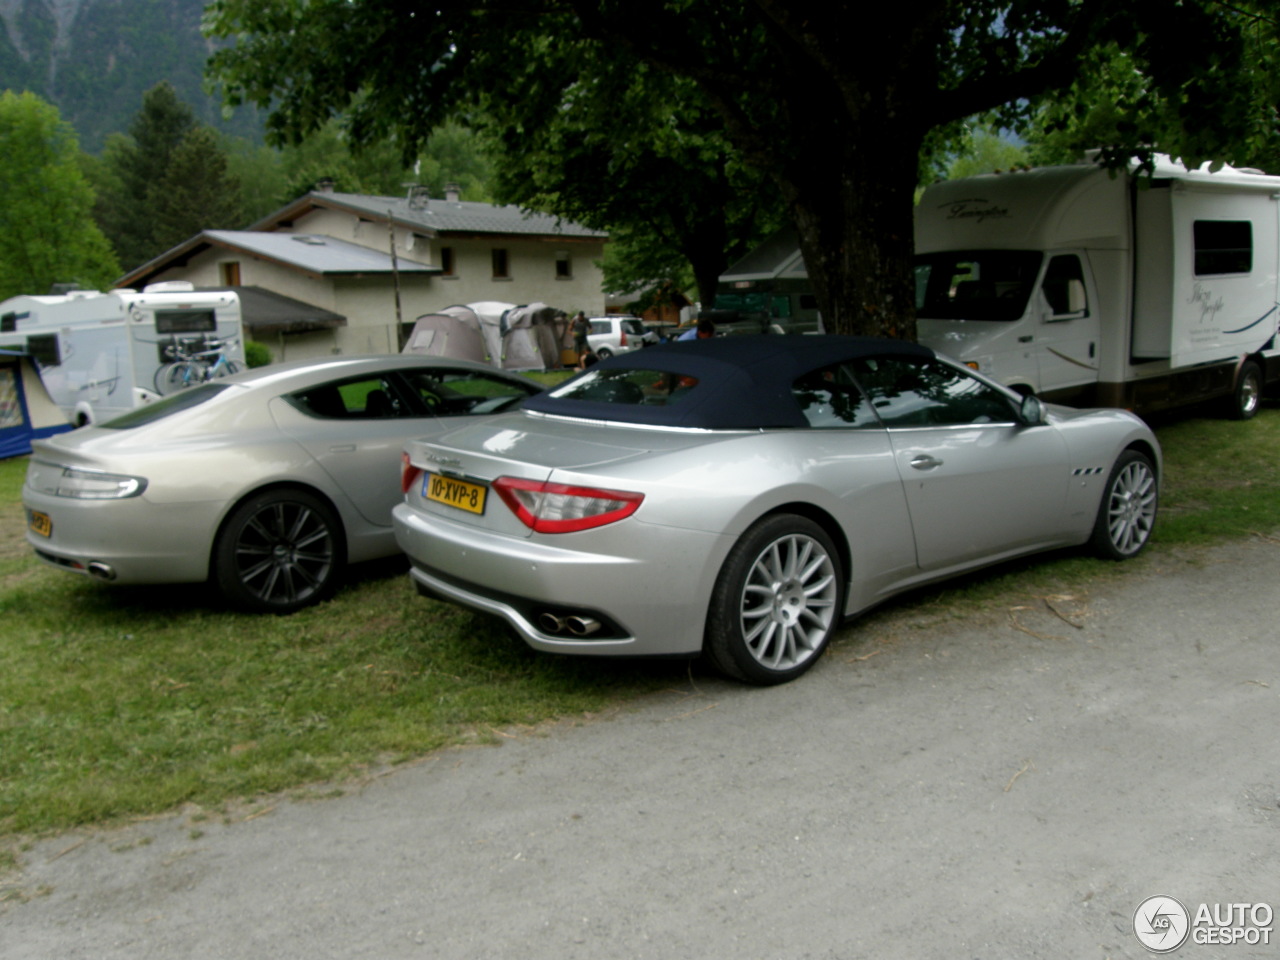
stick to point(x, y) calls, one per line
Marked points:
point(650, 602)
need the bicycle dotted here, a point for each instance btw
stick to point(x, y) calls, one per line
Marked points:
point(194, 361)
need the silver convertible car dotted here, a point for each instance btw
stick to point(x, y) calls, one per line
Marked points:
point(738, 497)
point(266, 483)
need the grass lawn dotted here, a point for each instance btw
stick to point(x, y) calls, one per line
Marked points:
point(118, 703)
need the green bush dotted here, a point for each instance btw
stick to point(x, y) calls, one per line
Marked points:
point(256, 354)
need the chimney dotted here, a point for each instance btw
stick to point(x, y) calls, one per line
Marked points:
point(325, 185)
point(417, 197)
point(451, 192)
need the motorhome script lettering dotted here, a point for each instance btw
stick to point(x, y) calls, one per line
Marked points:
point(975, 208)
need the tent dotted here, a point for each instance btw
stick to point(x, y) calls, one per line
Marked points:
point(453, 332)
point(27, 412)
point(510, 337)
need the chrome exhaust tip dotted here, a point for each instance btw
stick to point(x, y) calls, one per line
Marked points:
point(101, 571)
point(582, 626)
point(550, 623)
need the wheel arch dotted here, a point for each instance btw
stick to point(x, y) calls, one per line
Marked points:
point(823, 519)
point(1147, 450)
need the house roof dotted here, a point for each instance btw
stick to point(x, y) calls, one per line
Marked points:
point(315, 254)
point(434, 216)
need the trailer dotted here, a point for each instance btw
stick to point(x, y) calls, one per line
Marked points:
point(1089, 286)
point(98, 353)
point(1093, 287)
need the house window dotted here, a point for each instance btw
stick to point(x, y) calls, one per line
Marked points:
point(230, 273)
point(501, 270)
point(1223, 246)
point(446, 262)
point(564, 266)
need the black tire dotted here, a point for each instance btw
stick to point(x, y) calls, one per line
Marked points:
point(1127, 513)
point(173, 377)
point(278, 552)
point(1246, 396)
point(776, 603)
point(604, 353)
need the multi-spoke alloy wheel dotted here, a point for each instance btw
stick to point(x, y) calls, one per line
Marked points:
point(1128, 509)
point(280, 551)
point(777, 601)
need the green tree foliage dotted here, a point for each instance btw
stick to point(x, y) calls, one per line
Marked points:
point(633, 150)
point(834, 110)
point(47, 234)
point(165, 182)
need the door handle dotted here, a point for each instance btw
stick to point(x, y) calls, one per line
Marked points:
point(1027, 339)
point(925, 462)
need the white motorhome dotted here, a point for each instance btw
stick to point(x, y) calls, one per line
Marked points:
point(1089, 287)
point(98, 353)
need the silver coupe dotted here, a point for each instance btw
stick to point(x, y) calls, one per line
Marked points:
point(267, 483)
point(739, 497)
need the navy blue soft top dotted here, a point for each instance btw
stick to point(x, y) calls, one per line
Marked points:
point(744, 382)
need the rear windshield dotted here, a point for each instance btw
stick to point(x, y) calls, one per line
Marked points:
point(151, 412)
point(628, 387)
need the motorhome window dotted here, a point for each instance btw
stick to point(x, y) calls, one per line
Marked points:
point(186, 321)
point(9, 323)
point(1223, 246)
point(44, 348)
point(151, 412)
point(975, 285)
point(1063, 287)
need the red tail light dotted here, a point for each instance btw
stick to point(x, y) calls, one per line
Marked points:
point(623, 342)
point(560, 508)
point(409, 474)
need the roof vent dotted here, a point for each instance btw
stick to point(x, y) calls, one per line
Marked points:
point(309, 238)
point(169, 286)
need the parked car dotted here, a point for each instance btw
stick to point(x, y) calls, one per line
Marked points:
point(267, 483)
point(739, 496)
point(614, 335)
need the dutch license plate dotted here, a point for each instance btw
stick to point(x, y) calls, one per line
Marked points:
point(40, 523)
point(455, 493)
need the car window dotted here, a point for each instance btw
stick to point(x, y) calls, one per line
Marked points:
point(600, 326)
point(830, 399)
point(632, 387)
point(633, 326)
point(915, 392)
point(445, 391)
point(364, 398)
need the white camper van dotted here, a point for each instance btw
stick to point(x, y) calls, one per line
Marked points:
point(98, 353)
point(1089, 287)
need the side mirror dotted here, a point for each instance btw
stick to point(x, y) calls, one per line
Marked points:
point(1032, 410)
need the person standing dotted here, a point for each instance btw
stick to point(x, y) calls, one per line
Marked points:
point(581, 328)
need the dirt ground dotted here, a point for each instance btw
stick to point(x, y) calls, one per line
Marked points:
point(1014, 786)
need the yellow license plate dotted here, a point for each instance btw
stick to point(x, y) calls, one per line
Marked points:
point(455, 493)
point(40, 523)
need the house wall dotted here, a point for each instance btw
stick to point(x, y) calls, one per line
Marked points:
point(368, 303)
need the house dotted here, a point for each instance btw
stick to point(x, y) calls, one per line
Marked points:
point(372, 265)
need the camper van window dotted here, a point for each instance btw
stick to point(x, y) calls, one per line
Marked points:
point(44, 348)
point(1063, 287)
point(186, 321)
point(975, 285)
point(1223, 246)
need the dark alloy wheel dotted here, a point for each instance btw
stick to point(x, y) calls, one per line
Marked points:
point(280, 551)
point(777, 601)
point(1127, 512)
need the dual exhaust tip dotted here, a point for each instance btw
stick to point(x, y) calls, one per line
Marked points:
point(576, 624)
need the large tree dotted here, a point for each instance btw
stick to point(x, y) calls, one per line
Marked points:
point(833, 101)
point(47, 233)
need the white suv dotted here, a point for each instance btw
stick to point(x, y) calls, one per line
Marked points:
point(610, 335)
